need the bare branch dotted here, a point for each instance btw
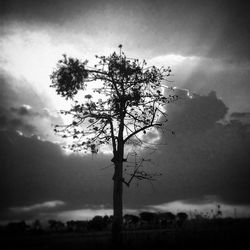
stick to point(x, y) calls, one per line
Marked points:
point(141, 129)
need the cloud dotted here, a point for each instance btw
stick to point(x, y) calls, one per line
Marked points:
point(83, 214)
point(23, 110)
point(200, 75)
point(192, 113)
point(203, 74)
point(3, 121)
point(244, 117)
point(87, 214)
point(240, 115)
point(232, 40)
point(39, 206)
point(26, 110)
point(207, 208)
point(34, 171)
point(46, 11)
point(14, 119)
point(15, 124)
point(46, 112)
point(17, 91)
point(204, 158)
point(196, 48)
point(216, 29)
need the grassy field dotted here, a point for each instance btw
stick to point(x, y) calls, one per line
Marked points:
point(193, 235)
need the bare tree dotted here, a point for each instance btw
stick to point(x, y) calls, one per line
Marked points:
point(131, 102)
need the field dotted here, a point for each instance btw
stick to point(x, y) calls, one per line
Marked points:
point(233, 233)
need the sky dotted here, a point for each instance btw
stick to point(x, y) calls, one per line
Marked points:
point(206, 162)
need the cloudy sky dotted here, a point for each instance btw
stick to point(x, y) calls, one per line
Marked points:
point(206, 162)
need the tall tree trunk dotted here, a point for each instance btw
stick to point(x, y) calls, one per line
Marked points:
point(117, 205)
point(118, 185)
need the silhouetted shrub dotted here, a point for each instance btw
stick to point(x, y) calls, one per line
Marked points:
point(96, 223)
point(166, 219)
point(181, 218)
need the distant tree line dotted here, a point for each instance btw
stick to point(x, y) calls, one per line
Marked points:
point(145, 220)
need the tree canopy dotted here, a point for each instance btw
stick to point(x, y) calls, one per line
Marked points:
point(126, 94)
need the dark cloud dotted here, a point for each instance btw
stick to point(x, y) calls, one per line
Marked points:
point(3, 121)
point(19, 125)
point(218, 29)
point(240, 115)
point(35, 171)
point(12, 119)
point(204, 157)
point(208, 161)
point(47, 10)
point(12, 123)
point(26, 110)
point(230, 81)
point(16, 92)
point(243, 117)
point(27, 121)
point(193, 113)
point(235, 35)
point(23, 110)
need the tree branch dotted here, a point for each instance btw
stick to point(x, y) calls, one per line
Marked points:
point(112, 136)
point(141, 129)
